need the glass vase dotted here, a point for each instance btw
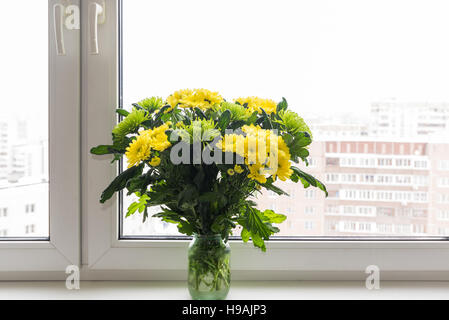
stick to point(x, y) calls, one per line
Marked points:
point(209, 273)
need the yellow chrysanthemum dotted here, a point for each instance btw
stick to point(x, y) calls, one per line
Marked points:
point(157, 137)
point(256, 104)
point(233, 143)
point(283, 154)
point(265, 153)
point(138, 150)
point(238, 168)
point(147, 140)
point(201, 98)
point(230, 172)
point(155, 161)
point(256, 174)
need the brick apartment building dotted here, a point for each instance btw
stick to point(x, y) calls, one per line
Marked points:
point(375, 188)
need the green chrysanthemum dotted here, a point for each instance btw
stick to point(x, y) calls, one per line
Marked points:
point(294, 123)
point(129, 125)
point(238, 112)
point(152, 103)
point(202, 130)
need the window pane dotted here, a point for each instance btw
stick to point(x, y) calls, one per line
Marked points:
point(369, 77)
point(23, 120)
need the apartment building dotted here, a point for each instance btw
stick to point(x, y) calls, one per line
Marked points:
point(24, 210)
point(375, 188)
point(409, 119)
point(23, 178)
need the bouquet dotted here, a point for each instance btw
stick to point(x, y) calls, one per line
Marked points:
point(203, 160)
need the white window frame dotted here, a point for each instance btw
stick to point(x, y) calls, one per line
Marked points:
point(29, 259)
point(106, 257)
point(102, 255)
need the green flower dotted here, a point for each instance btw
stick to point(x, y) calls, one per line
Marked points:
point(202, 130)
point(238, 112)
point(129, 125)
point(152, 103)
point(293, 123)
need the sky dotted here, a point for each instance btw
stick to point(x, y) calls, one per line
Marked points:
point(24, 58)
point(323, 56)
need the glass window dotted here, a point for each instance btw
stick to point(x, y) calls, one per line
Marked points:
point(24, 120)
point(370, 80)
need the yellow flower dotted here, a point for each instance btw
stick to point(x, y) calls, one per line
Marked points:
point(255, 173)
point(155, 161)
point(147, 140)
point(283, 171)
point(265, 153)
point(201, 98)
point(230, 172)
point(157, 137)
point(138, 150)
point(256, 104)
point(238, 168)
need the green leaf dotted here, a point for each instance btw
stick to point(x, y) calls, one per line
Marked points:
point(166, 117)
point(185, 228)
point(256, 225)
point(282, 106)
point(120, 182)
point(219, 224)
point(258, 241)
point(302, 139)
point(122, 112)
point(189, 194)
point(273, 217)
point(103, 149)
point(270, 186)
point(267, 121)
point(309, 179)
point(139, 205)
point(140, 183)
point(245, 235)
point(252, 119)
point(224, 120)
point(200, 113)
point(237, 124)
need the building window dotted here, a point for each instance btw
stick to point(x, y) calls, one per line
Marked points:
point(308, 225)
point(309, 194)
point(29, 208)
point(422, 164)
point(443, 182)
point(443, 215)
point(30, 228)
point(444, 165)
point(443, 198)
point(309, 210)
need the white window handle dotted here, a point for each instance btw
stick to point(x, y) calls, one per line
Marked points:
point(96, 17)
point(58, 16)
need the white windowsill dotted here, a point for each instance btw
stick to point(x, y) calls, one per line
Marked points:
point(257, 290)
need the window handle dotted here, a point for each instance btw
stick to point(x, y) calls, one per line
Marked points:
point(96, 17)
point(58, 16)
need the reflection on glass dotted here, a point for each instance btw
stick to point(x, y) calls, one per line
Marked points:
point(370, 80)
point(23, 120)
